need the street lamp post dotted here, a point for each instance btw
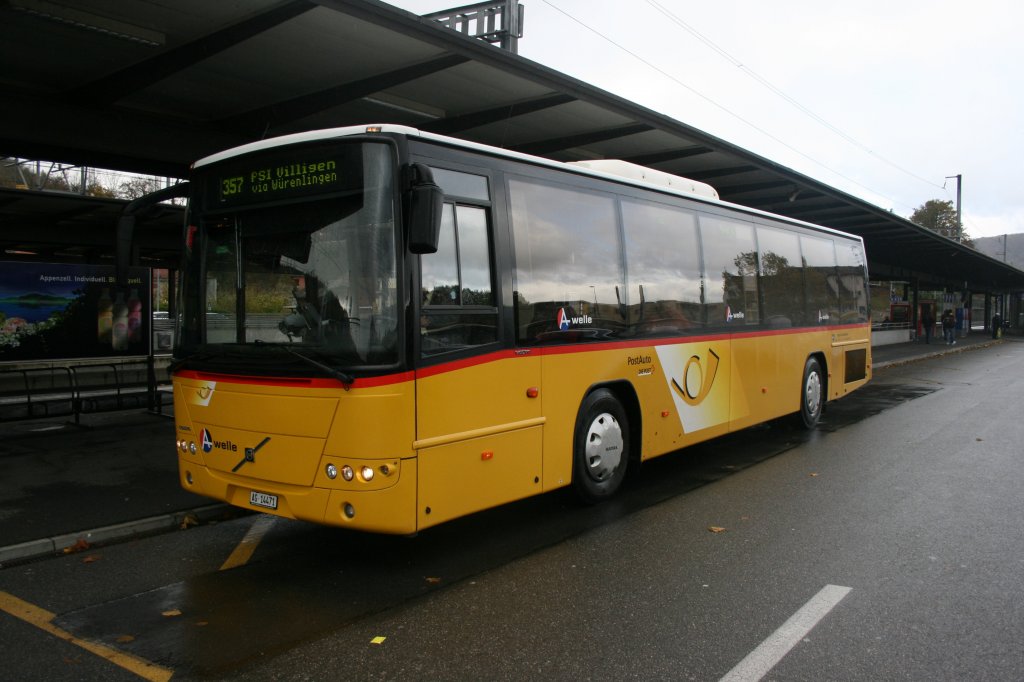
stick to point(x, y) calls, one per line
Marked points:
point(959, 222)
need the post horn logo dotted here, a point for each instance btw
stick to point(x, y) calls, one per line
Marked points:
point(696, 382)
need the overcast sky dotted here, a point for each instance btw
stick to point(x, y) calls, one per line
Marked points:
point(880, 98)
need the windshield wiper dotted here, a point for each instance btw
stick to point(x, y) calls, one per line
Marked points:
point(343, 377)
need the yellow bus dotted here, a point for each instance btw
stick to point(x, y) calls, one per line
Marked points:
point(385, 329)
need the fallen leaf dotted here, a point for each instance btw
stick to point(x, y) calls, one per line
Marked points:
point(171, 613)
point(125, 639)
point(378, 640)
point(91, 558)
point(79, 546)
point(189, 520)
point(813, 475)
point(433, 581)
point(202, 623)
point(716, 529)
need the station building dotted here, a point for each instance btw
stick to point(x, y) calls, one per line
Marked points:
point(144, 89)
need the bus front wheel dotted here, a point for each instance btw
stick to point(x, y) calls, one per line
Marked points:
point(812, 394)
point(600, 446)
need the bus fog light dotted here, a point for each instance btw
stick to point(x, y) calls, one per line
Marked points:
point(367, 474)
point(188, 477)
point(332, 471)
point(347, 473)
point(350, 511)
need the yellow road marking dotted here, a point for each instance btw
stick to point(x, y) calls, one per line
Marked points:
point(43, 620)
point(243, 552)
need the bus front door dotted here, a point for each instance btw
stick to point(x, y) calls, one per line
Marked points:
point(479, 434)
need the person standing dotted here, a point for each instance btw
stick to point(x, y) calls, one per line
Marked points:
point(949, 327)
point(927, 322)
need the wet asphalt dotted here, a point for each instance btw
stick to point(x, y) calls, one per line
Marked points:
point(114, 476)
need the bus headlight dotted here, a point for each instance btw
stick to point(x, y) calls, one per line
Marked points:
point(347, 473)
point(331, 471)
point(367, 473)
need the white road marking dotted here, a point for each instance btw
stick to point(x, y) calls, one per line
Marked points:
point(762, 659)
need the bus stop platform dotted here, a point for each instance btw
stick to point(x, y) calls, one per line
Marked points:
point(67, 488)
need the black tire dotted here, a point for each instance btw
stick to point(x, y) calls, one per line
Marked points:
point(600, 446)
point(812, 394)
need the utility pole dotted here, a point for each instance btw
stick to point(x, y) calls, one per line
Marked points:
point(959, 222)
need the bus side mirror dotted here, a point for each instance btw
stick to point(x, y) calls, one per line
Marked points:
point(424, 206)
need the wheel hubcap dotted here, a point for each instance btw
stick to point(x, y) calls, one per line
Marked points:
point(604, 447)
point(812, 397)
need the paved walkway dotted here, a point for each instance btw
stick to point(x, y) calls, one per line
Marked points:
point(116, 476)
point(883, 356)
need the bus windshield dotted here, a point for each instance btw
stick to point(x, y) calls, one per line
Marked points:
point(317, 274)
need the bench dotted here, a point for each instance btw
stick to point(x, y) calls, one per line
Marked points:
point(74, 389)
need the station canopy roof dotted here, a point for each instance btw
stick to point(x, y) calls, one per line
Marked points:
point(151, 86)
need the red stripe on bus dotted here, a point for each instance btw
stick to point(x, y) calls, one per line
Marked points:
point(464, 363)
point(620, 345)
point(454, 365)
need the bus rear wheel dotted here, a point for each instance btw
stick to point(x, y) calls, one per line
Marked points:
point(812, 394)
point(600, 446)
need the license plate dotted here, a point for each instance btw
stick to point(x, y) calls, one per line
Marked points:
point(262, 500)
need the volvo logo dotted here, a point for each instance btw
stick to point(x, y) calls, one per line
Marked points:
point(250, 454)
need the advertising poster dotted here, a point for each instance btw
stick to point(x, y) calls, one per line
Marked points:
point(50, 310)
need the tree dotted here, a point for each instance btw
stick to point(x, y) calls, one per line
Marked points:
point(136, 187)
point(940, 216)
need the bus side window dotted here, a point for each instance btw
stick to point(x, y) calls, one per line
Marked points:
point(440, 270)
point(663, 257)
point(730, 271)
point(457, 297)
point(570, 285)
point(782, 277)
point(853, 300)
point(819, 256)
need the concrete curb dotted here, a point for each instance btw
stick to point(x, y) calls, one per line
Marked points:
point(939, 353)
point(108, 534)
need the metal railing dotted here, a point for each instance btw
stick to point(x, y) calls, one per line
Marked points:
point(74, 389)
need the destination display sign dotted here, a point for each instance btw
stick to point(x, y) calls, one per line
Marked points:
point(294, 172)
